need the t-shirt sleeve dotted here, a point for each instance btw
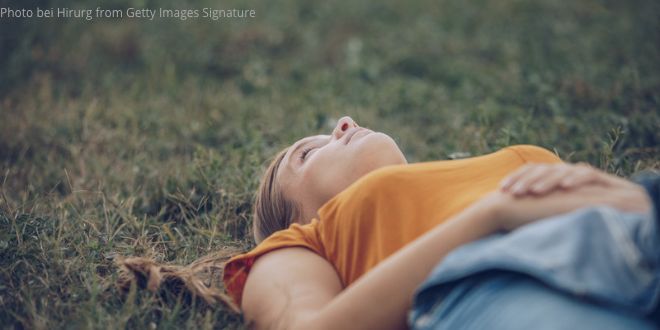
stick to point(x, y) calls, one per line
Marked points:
point(534, 154)
point(236, 270)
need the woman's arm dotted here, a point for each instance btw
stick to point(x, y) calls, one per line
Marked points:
point(287, 286)
point(381, 298)
point(532, 181)
point(293, 288)
point(298, 289)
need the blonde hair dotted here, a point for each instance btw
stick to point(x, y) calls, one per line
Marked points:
point(272, 210)
point(200, 282)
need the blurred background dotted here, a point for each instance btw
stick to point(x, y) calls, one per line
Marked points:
point(147, 138)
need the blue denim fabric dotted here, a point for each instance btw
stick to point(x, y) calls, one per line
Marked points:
point(595, 268)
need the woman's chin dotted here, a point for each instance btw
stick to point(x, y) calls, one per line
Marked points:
point(381, 149)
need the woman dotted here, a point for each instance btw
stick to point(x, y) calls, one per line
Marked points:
point(347, 230)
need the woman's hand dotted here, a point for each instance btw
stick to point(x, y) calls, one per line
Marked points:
point(541, 178)
point(511, 212)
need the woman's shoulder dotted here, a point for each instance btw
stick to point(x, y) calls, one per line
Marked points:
point(236, 270)
point(277, 289)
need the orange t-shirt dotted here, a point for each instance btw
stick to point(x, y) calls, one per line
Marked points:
point(386, 209)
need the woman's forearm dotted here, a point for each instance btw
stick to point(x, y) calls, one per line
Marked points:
point(381, 298)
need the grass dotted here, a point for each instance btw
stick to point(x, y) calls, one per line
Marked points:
point(138, 138)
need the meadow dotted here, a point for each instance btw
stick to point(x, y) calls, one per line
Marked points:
point(135, 137)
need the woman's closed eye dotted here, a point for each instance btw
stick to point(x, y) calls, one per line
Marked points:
point(304, 153)
point(317, 143)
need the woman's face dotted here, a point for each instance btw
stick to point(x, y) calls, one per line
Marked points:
point(317, 168)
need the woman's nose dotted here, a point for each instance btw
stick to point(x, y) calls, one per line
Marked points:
point(343, 125)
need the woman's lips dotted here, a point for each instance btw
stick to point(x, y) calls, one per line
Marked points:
point(350, 135)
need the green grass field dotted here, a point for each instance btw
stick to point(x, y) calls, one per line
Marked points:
point(147, 138)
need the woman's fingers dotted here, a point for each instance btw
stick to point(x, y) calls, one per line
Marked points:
point(513, 178)
point(512, 212)
point(582, 174)
point(549, 182)
point(567, 176)
point(543, 178)
point(531, 177)
point(520, 180)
